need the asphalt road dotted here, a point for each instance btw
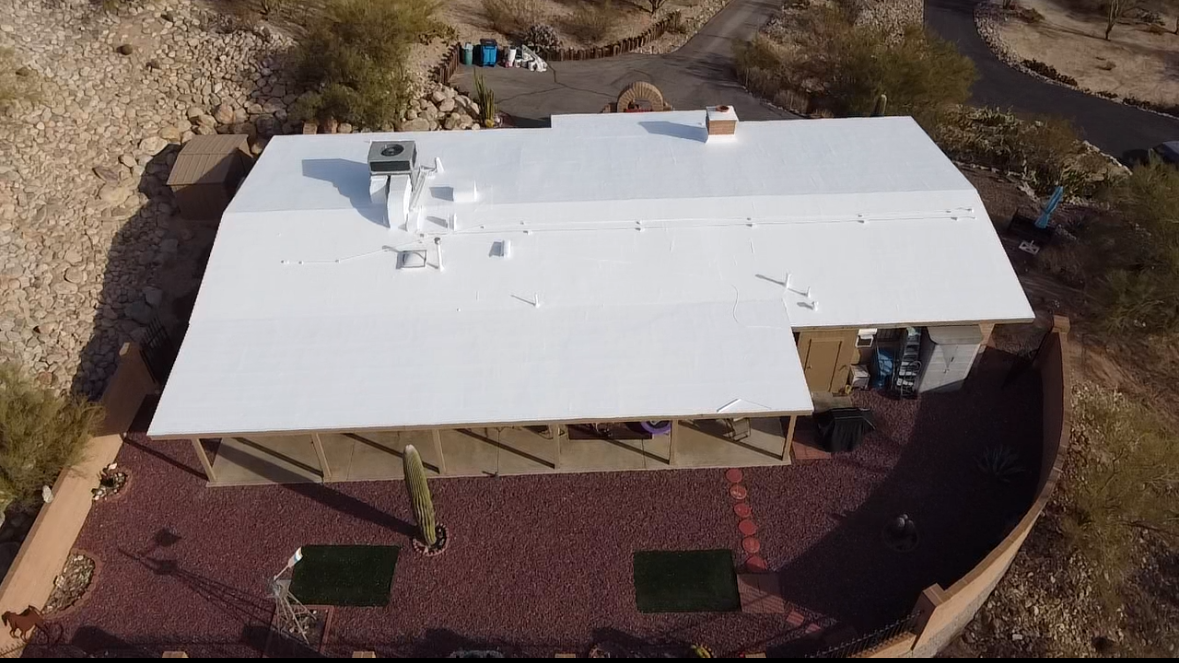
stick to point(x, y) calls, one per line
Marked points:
point(701, 74)
point(1116, 128)
point(697, 75)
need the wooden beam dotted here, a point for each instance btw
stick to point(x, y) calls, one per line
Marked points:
point(204, 458)
point(675, 433)
point(438, 450)
point(324, 470)
point(788, 443)
point(555, 433)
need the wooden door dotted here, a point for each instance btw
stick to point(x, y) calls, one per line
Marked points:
point(822, 358)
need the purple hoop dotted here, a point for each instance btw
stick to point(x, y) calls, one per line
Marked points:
point(656, 427)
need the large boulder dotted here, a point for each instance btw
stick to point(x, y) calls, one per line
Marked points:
point(417, 124)
point(223, 114)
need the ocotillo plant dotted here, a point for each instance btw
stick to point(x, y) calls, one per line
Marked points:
point(881, 106)
point(419, 495)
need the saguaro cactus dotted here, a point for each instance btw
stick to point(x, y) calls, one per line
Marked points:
point(881, 106)
point(419, 495)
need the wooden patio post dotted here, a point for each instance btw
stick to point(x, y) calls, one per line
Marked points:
point(324, 470)
point(204, 458)
point(675, 433)
point(438, 450)
point(789, 441)
point(555, 433)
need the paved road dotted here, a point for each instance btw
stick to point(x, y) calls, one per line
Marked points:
point(1115, 128)
point(697, 75)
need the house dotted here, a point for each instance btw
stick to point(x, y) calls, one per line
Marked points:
point(504, 300)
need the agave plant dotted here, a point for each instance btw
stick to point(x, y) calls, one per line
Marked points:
point(1000, 463)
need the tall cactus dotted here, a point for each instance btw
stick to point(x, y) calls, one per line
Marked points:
point(419, 495)
point(881, 106)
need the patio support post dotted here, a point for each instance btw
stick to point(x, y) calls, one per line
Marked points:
point(438, 450)
point(204, 458)
point(324, 470)
point(555, 433)
point(675, 433)
point(789, 441)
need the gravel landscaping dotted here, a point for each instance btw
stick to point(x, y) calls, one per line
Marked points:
point(545, 563)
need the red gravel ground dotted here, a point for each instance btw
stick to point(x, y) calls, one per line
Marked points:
point(542, 564)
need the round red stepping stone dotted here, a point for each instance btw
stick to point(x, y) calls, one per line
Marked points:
point(747, 527)
point(755, 564)
point(751, 545)
point(734, 475)
point(742, 509)
point(738, 492)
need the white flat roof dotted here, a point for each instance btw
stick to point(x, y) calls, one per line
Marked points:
point(650, 273)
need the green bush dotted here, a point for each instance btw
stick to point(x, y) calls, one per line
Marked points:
point(41, 433)
point(1140, 289)
point(510, 17)
point(852, 65)
point(592, 22)
point(353, 62)
point(1125, 481)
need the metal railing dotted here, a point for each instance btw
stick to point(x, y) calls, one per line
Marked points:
point(901, 627)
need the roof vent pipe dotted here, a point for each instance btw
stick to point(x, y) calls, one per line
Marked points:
point(720, 121)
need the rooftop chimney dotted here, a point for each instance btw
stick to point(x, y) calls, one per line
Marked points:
point(721, 121)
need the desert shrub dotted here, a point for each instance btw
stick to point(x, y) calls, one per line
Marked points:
point(1044, 152)
point(1029, 15)
point(15, 81)
point(1140, 291)
point(759, 66)
point(542, 38)
point(852, 65)
point(510, 17)
point(1048, 71)
point(1169, 109)
point(41, 434)
point(592, 22)
point(1126, 482)
point(353, 62)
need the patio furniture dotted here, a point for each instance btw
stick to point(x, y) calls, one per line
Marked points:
point(843, 429)
point(741, 428)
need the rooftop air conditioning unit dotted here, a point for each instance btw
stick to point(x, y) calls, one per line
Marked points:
point(392, 157)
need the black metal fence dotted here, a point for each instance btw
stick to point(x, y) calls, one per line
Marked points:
point(864, 643)
point(159, 351)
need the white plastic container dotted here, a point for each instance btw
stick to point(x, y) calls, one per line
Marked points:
point(511, 57)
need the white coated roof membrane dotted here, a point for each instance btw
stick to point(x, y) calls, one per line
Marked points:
point(649, 273)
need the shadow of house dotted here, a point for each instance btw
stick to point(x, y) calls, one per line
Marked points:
point(850, 577)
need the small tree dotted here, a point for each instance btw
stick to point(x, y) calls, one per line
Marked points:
point(1115, 10)
point(353, 62)
point(655, 5)
point(41, 434)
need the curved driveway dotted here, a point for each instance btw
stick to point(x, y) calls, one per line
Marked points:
point(1116, 128)
point(701, 74)
point(697, 75)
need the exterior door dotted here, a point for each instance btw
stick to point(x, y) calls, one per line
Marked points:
point(822, 358)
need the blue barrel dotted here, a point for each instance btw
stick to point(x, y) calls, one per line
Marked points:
point(882, 363)
point(489, 52)
point(468, 53)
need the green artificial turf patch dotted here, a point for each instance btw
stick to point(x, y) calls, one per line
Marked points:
point(686, 581)
point(345, 575)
